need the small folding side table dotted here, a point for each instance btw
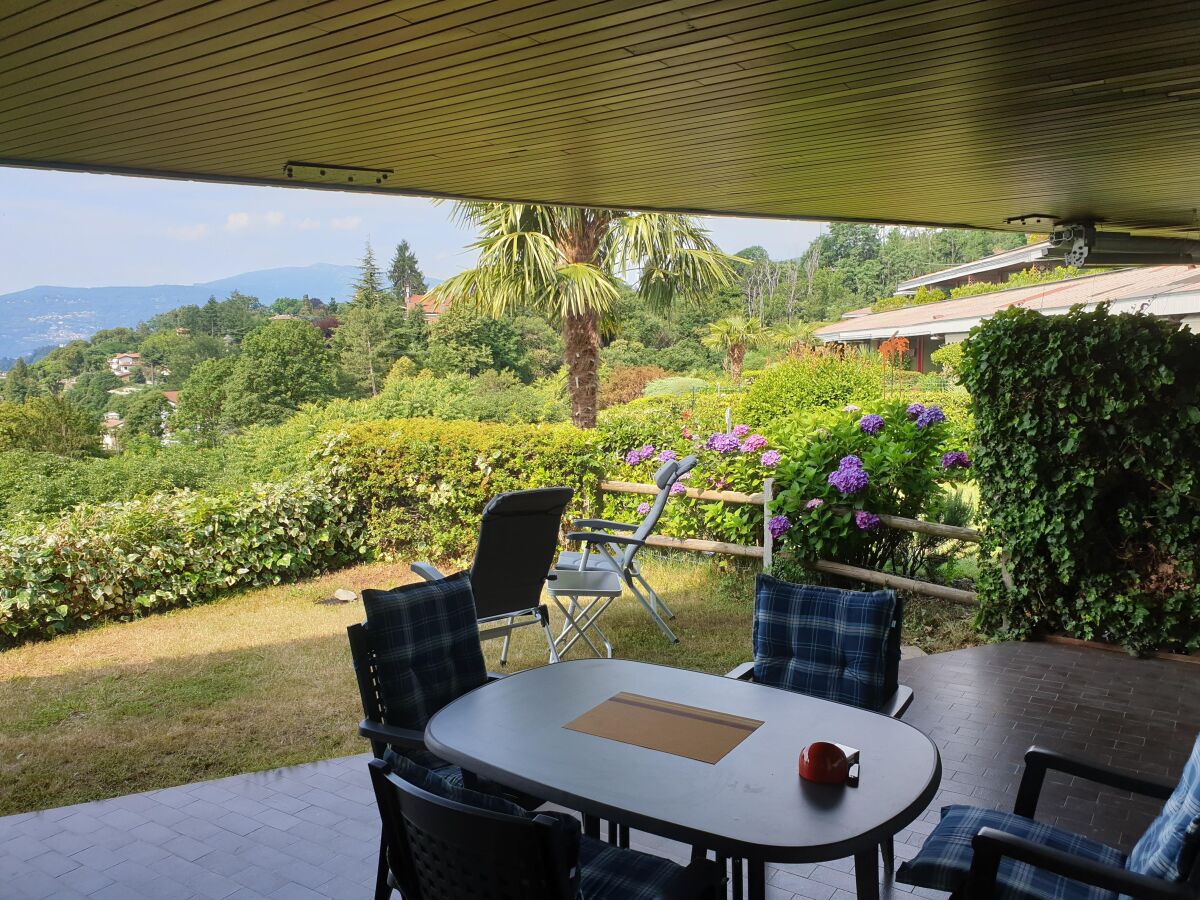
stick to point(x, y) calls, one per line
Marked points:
point(588, 595)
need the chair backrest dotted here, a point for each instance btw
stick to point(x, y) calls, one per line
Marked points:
point(666, 476)
point(825, 642)
point(518, 538)
point(422, 648)
point(441, 849)
point(1171, 845)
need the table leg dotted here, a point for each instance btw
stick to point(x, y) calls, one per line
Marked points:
point(756, 875)
point(866, 874)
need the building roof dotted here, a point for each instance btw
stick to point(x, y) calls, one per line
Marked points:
point(117, 356)
point(429, 305)
point(1164, 290)
point(1017, 258)
point(988, 115)
point(172, 397)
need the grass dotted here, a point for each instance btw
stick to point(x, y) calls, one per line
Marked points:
point(263, 679)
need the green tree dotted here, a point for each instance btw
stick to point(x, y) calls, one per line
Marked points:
point(19, 384)
point(91, 391)
point(366, 340)
point(565, 263)
point(147, 414)
point(202, 400)
point(49, 425)
point(733, 336)
point(463, 340)
point(282, 366)
point(405, 274)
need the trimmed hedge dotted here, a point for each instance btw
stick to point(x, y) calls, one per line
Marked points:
point(1087, 453)
point(811, 381)
point(423, 483)
point(117, 561)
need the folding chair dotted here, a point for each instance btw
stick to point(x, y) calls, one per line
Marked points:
point(517, 540)
point(605, 551)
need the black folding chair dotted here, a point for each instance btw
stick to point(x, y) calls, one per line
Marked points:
point(447, 849)
point(518, 537)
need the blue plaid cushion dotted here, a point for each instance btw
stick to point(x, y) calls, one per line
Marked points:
point(822, 641)
point(1169, 847)
point(439, 781)
point(945, 859)
point(426, 644)
point(610, 873)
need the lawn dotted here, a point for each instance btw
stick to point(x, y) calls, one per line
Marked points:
point(263, 679)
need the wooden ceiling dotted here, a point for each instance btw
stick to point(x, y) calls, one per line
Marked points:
point(934, 112)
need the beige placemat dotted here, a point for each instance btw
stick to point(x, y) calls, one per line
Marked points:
point(700, 734)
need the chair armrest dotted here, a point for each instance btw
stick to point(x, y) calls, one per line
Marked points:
point(743, 672)
point(897, 704)
point(604, 525)
point(991, 845)
point(599, 537)
point(700, 880)
point(404, 738)
point(426, 571)
point(1039, 760)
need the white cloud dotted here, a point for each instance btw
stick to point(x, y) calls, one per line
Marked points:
point(188, 232)
point(346, 223)
point(237, 221)
point(306, 224)
point(274, 218)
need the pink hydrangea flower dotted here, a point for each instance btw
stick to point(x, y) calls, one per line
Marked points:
point(643, 509)
point(741, 430)
point(814, 503)
point(753, 444)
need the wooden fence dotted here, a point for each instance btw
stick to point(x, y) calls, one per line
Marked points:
point(764, 552)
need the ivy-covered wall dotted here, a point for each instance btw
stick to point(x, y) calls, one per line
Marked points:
point(1087, 433)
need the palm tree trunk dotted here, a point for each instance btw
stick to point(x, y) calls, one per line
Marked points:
point(581, 338)
point(737, 355)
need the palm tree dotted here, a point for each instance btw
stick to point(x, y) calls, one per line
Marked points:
point(565, 263)
point(795, 337)
point(733, 336)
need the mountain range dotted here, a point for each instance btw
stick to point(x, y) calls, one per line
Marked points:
point(46, 316)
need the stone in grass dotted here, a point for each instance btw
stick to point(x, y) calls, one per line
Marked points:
point(341, 595)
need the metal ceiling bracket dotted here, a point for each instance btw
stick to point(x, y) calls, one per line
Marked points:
point(319, 173)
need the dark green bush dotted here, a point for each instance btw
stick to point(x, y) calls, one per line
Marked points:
point(118, 561)
point(423, 483)
point(1088, 459)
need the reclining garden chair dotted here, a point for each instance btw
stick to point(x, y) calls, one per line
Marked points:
point(981, 854)
point(829, 643)
point(417, 651)
point(605, 550)
point(518, 537)
point(447, 843)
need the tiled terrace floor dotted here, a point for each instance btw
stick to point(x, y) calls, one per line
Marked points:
point(311, 831)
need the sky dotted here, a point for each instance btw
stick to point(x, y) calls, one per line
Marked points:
point(78, 230)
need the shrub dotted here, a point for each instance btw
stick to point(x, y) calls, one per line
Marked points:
point(620, 384)
point(814, 380)
point(117, 561)
point(948, 359)
point(423, 483)
point(1088, 459)
point(839, 469)
point(660, 421)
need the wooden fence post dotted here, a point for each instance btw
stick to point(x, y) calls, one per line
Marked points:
point(768, 538)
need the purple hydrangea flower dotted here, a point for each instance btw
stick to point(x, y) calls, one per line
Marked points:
point(956, 459)
point(915, 409)
point(754, 443)
point(633, 457)
point(723, 443)
point(872, 424)
point(677, 488)
point(850, 407)
point(866, 521)
point(778, 526)
point(770, 459)
point(741, 430)
point(647, 452)
point(667, 456)
point(850, 477)
point(643, 509)
point(931, 416)
point(814, 503)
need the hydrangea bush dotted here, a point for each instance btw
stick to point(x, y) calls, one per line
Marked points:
point(840, 470)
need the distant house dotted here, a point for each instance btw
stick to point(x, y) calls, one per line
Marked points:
point(1172, 292)
point(431, 307)
point(123, 364)
point(172, 398)
point(327, 325)
point(111, 423)
point(284, 317)
point(993, 269)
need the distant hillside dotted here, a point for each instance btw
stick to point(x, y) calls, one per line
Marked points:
point(39, 316)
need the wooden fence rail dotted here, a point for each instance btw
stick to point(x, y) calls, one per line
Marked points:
point(765, 552)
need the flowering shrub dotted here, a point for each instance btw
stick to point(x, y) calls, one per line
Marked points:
point(1088, 460)
point(819, 379)
point(840, 470)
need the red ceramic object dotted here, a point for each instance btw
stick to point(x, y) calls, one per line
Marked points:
point(824, 763)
